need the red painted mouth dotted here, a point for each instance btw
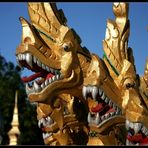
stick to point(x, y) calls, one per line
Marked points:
point(37, 75)
point(103, 108)
point(39, 72)
point(138, 138)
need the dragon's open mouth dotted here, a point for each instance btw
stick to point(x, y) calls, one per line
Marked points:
point(43, 76)
point(49, 126)
point(137, 134)
point(105, 108)
point(46, 123)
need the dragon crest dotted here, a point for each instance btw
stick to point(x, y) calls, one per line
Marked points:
point(83, 99)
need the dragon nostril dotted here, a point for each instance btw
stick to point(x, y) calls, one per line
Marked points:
point(27, 40)
point(129, 85)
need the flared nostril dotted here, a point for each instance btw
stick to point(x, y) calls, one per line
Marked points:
point(27, 40)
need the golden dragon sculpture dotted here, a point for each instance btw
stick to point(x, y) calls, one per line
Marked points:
point(83, 99)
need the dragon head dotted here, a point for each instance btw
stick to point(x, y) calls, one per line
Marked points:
point(52, 50)
point(137, 112)
point(130, 90)
point(119, 95)
point(48, 48)
point(107, 78)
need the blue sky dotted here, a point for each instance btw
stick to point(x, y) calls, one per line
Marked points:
point(89, 21)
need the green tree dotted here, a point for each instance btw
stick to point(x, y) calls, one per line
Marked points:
point(10, 81)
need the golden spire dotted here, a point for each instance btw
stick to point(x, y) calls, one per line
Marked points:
point(14, 131)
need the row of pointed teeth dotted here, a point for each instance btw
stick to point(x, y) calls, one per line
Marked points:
point(38, 88)
point(30, 59)
point(136, 127)
point(46, 135)
point(90, 89)
point(128, 143)
point(99, 119)
point(94, 91)
point(45, 122)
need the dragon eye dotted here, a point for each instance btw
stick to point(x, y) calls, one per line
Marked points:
point(65, 47)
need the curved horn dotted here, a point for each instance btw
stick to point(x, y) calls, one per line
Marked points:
point(47, 18)
point(116, 39)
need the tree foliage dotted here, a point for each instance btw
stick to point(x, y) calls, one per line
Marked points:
point(10, 81)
